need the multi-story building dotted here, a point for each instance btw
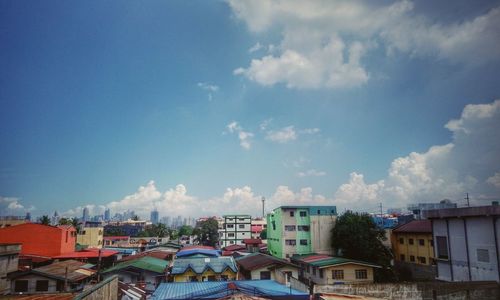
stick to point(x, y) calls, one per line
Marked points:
point(413, 249)
point(107, 214)
point(300, 230)
point(154, 217)
point(418, 209)
point(85, 215)
point(466, 243)
point(258, 225)
point(235, 229)
point(9, 261)
point(91, 237)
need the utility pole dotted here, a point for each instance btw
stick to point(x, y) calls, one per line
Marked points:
point(263, 205)
point(467, 198)
point(99, 266)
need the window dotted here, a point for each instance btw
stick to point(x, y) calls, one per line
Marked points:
point(241, 226)
point(412, 258)
point(193, 278)
point(230, 219)
point(42, 285)
point(21, 286)
point(303, 214)
point(67, 236)
point(303, 228)
point(410, 241)
point(320, 273)
point(292, 214)
point(431, 242)
point(290, 242)
point(421, 260)
point(421, 242)
point(319, 212)
point(230, 234)
point(230, 226)
point(361, 274)
point(231, 242)
point(303, 242)
point(314, 270)
point(338, 274)
point(241, 219)
point(212, 278)
point(289, 227)
point(264, 275)
point(483, 255)
point(401, 241)
point(223, 277)
point(402, 257)
point(274, 225)
point(442, 247)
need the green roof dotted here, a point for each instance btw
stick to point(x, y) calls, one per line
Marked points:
point(145, 263)
point(334, 261)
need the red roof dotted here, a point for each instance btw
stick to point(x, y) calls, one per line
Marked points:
point(258, 260)
point(165, 255)
point(87, 253)
point(252, 241)
point(315, 257)
point(234, 247)
point(415, 226)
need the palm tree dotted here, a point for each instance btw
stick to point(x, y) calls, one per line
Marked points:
point(45, 220)
point(74, 221)
point(160, 229)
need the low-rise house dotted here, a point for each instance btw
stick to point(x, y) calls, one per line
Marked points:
point(9, 261)
point(259, 266)
point(325, 270)
point(147, 270)
point(413, 249)
point(218, 268)
point(63, 276)
point(117, 241)
point(466, 243)
point(91, 237)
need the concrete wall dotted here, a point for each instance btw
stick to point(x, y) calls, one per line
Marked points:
point(417, 291)
point(105, 290)
point(32, 279)
point(9, 261)
point(91, 236)
point(255, 274)
point(349, 275)
point(320, 231)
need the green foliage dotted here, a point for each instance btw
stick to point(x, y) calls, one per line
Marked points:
point(135, 218)
point(208, 232)
point(110, 231)
point(356, 236)
point(263, 234)
point(45, 220)
point(65, 221)
point(157, 230)
point(185, 230)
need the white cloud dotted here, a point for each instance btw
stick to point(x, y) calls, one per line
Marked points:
point(245, 137)
point(443, 171)
point(265, 124)
point(211, 88)
point(494, 180)
point(324, 42)
point(13, 206)
point(255, 48)
point(311, 173)
point(310, 131)
point(284, 135)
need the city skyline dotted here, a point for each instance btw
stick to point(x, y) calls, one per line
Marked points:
point(203, 108)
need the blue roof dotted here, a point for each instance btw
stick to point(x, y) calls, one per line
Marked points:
point(205, 252)
point(200, 264)
point(218, 289)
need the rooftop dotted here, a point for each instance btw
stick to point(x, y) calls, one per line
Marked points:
point(324, 261)
point(145, 263)
point(199, 264)
point(415, 226)
point(76, 271)
point(88, 253)
point(475, 211)
point(258, 260)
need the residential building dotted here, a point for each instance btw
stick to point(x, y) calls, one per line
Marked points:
point(91, 237)
point(234, 229)
point(9, 261)
point(300, 230)
point(258, 225)
point(41, 240)
point(196, 268)
point(154, 217)
point(147, 270)
point(241, 289)
point(419, 208)
point(62, 276)
point(116, 241)
point(413, 249)
point(7, 221)
point(466, 243)
point(259, 266)
point(327, 270)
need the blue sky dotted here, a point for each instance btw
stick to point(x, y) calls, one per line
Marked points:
point(202, 107)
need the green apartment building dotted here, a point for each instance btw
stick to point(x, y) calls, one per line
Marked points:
point(300, 230)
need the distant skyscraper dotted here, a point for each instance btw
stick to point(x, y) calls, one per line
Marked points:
point(107, 214)
point(154, 217)
point(55, 218)
point(28, 216)
point(85, 216)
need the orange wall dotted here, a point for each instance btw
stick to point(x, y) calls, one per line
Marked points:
point(40, 239)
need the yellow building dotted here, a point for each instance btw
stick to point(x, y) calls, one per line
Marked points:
point(190, 269)
point(326, 270)
point(91, 237)
point(413, 248)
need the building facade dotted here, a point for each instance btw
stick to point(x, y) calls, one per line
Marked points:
point(258, 225)
point(154, 217)
point(7, 221)
point(466, 243)
point(91, 237)
point(235, 229)
point(300, 230)
point(188, 269)
point(9, 261)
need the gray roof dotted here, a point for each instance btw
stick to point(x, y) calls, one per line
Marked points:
point(200, 264)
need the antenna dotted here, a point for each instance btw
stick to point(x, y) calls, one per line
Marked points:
point(467, 198)
point(263, 205)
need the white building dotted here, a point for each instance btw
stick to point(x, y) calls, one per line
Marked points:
point(234, 229)
point(466, 243)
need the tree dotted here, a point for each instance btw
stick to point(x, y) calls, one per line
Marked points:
point(208, 232)
point(185, 230)
point(113, 231)
point(356, 236)
point(135, 218)
point(263, 234)
point(65, 221)
point(45, 220)
point(159, 230)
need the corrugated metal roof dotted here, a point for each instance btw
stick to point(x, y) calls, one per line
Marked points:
point(415, 226)
point(205, 252)
point(258, 260)
point(218, 289)
point(57, 270)
point(145, 263)
point(200, 264)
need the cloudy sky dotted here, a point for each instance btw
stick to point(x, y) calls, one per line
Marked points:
point(203, 107)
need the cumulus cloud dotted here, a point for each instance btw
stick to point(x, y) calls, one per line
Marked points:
point(283, 135)
point(255, 48)
point(245, 137)
point(443, 171)
point(311, 173)
point(211, 88)
point(324, 42)
point(494, 180)
point(13, 206)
